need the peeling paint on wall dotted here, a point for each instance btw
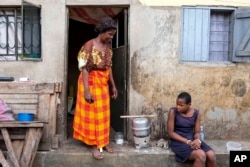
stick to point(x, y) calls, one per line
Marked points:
point(239, 87)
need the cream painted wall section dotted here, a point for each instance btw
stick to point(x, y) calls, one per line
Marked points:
point(51, 68)
point(10, 2)
point(195, 2)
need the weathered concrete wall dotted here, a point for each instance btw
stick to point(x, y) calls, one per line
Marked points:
point(219, 90)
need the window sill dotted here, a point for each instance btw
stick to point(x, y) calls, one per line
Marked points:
point(31, 59)
point(209, 64)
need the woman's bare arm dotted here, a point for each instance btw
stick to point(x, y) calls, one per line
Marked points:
point(113, 87)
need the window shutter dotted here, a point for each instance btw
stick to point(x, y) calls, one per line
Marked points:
point(241, 43)
point(31, 35)
point(195, 34)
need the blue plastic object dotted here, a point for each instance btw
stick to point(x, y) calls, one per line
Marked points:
point(25, 117)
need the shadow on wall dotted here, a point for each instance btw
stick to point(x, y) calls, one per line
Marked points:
point(159, 123)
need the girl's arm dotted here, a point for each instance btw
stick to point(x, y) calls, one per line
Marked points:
point(197, 127)
point(196, 143)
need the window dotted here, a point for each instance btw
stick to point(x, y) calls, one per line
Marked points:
point(215, 34)
point(20, 33)
point(219, 35)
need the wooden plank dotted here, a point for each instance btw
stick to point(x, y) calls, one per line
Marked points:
point(43, 114)
point(3, 161)
point(58, 87)
point(18, 147)
point(14, 137)
point(242, 53)
point(11, 151)
point(52, 115)
point(53, 119)
point(43, 107)
point(23, 106)
point(21, 100)
point(243, 15)
point(15, 111)
point(32, 140)
point(26, 87)
point(15, 124)
point(19, 96)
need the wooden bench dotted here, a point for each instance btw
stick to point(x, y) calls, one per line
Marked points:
point(39, 98)
point(21, 151)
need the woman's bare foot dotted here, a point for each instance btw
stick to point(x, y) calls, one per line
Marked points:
point(96, 153)
point(108, 149)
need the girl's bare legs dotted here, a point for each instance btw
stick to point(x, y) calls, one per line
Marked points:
point(211, 159)
point(199, 158)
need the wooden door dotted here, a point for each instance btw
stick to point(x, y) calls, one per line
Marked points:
point(120, 59)
point(242, 36)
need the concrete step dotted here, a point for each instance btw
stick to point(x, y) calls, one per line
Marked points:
point(76, 154)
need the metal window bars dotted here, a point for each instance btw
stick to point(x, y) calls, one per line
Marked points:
point(20, 33)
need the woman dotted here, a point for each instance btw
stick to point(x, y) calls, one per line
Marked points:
point(92, 114)
point(184, 132)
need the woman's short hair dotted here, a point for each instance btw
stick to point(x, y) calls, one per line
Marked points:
point(105, 24)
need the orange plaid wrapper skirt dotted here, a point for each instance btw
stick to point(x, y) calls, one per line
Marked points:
point(92, 121)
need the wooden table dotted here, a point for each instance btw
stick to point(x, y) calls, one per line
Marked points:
point(21, 149)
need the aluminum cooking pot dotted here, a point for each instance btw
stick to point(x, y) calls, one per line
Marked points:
point(141, 127)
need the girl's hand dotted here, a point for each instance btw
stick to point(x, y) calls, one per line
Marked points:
point(195, 144)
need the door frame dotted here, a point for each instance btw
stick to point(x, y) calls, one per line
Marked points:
point(66, 70)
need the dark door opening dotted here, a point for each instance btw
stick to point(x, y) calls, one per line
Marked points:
point(80, 30)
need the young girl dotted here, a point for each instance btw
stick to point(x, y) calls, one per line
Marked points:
point(183, 127)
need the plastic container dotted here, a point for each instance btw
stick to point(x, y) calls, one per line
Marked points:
point(202, 134)
point(24, 117)
point(119, 138)
point(233, 146)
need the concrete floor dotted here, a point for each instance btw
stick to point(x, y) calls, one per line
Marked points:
point(219, 147)
point(76, 154)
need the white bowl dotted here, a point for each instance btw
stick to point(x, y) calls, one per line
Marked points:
point(233, 146)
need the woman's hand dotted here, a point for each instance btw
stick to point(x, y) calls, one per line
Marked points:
point(88, 97)
point(114, 93)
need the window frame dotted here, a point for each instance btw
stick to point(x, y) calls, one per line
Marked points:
point(21, 55)
point(205, 12)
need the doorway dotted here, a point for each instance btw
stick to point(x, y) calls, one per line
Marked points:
point(81, 25)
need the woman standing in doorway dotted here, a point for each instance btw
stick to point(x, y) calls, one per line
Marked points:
point(92, 114)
